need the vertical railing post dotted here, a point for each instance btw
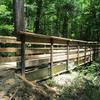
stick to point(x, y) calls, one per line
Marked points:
point(67, 62)
point(78, 54)
point(94, 51)
point(22, 55)
point(97, 48)
point(51, 58)
point(85, 53)
point(90, 52)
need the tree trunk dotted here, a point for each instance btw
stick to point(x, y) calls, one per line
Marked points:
point(65, 27)
point(38, 15)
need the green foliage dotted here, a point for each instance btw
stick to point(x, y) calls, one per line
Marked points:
point(6, 29)
point(92, 69)
point(3, 9)
point(51, 82)
point(77, 19)
point(84, 87)
point(6, 24)
point(81, 89)
point(68, 18)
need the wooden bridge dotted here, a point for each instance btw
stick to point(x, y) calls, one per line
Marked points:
point(39, 56)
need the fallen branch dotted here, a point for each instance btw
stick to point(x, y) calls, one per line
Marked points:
point(52, 90)
point(34, 87)
point(14, 94)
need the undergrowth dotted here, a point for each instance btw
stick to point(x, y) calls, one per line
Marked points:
point(84, 87)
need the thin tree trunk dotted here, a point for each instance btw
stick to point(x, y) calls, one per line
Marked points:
point(65, 27)
point(38, 15)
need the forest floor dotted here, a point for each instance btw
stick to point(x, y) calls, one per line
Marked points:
point(81, 84)
point(15, 87)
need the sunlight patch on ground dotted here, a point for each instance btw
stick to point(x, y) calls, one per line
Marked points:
point(65, 79)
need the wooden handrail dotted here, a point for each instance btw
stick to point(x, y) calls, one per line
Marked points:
point(9, 39)
point(33, 35)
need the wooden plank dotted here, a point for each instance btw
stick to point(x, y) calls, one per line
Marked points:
point(57, 57)
point(47, 51)
point(30, 63)
point(8, 49)
point(38, 74)
point(44, 72)
point(80, 55)
point(58, 68)
point(41, 38)
point(73, 44)
point(75, 50)
point(8, 39)
point(37, 39)
point(82, 62)
point(38, 62)
point(42, 56)
point(43, 51)
point(48, 48)
point(9, 59)
point(36, 51)
point(17, 58)
point(60, 39)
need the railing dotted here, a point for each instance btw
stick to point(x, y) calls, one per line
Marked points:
point(40, 56)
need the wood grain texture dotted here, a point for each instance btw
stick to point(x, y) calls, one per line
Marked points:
point(8, 49)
